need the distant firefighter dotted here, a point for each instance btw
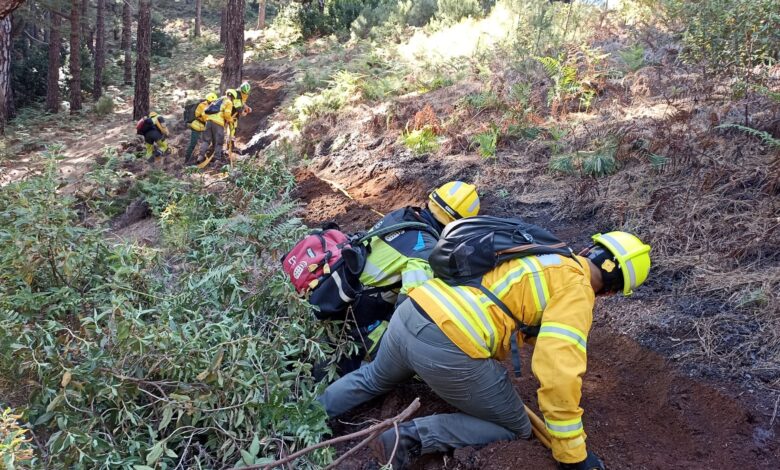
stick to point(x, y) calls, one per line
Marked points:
point(155, 133)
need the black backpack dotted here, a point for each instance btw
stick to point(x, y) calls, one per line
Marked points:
point(189, 110)
point(469, 248)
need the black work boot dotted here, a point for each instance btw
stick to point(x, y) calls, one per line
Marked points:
point(408, 445)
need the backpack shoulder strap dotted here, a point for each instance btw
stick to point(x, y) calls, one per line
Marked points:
point(396, 227)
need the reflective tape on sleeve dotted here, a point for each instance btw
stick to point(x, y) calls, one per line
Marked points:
point(564, 429)
point(441, 299)
point(414, 277)
point(566, 333)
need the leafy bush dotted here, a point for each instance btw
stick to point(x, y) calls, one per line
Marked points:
point(163, 43)
point(199, 355)
point(482, 100)
point(728, 33)
point(420, 141)
point(343, 87)
point(633, 57)
point(28, 72)
point(454, 10)
point(14, 446)
point(104, 106)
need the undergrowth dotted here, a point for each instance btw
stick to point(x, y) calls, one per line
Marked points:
point(197, 354)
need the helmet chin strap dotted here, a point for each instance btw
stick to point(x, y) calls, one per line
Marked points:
point(611, 275)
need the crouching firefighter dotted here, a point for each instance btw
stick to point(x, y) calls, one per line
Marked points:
point(361, 278)
point(155, 133)
point(495, 279)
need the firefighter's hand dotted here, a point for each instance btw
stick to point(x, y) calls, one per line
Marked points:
point(592, 462)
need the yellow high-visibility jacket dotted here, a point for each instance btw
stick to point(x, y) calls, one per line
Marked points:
point(225, 114)
point(198, 124)
point(400, 257)
point(549, 290)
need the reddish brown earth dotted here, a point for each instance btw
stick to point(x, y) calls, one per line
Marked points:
point(640, 412)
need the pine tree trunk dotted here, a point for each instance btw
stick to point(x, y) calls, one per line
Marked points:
point(234, 45)
point(100, 49)
point(197, 17)
point(127, 31)
point(6, 100)
point(260, 14)
point(8, 6)
point(142, 62)
point(75, 57)
point(53, 75)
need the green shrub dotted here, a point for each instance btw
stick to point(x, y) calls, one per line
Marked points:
point(454, 10)
point(14, 444)
point(134, 355)
point(595, 163)
point(728, 33)
point(482, 100)
point(633, 57)
point(104, 106)
point(420, 141)
point(163, 44)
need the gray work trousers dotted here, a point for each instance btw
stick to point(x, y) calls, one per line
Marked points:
point(481, 388)
point(214, 134)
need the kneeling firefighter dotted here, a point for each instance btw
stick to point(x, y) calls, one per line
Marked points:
point(494, 278)
point(364, 279)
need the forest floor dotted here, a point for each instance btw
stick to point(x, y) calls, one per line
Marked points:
point(658, 392)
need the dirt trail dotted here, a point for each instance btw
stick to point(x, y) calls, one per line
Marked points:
point(640, 412)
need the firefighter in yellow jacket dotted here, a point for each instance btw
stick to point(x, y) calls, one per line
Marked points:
point(198, 125)
point(453, 337)
point(219, 116)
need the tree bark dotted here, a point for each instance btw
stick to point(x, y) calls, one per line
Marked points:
point(127, 31)
point(100, 49)
point(86, 34)
point(75, 57)
point(8, 6)
point(53, 75)
point(197, 17)
point(6, 98)
point(142, 62)
point(260, 14)
point(234, 45)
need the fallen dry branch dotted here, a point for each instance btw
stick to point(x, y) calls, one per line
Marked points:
point(373, 432)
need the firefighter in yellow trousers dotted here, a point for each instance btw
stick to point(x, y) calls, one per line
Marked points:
point(453, 337)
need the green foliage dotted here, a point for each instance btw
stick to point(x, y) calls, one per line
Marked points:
point(420, 141)
point(163, 43)
point(729, 33)
point(454, 10)
point(595, 163)
point(343, 87)
point(29, 68)
point(633, 57)
point(104, 106)
point(765, 137)
point(564, 77)
point(14, 448)
point(482, 100)
point(139, 356)
point(486, 142)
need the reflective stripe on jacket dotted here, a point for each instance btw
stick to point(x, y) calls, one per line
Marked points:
point(551, 291)
point(399, 256)
point(225, 114)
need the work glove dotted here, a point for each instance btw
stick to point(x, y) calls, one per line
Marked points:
point(592, 462)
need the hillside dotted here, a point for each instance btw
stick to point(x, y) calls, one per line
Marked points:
point(146, 322)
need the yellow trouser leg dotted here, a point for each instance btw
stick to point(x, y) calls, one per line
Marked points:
point(163, 145)
point(149, 150)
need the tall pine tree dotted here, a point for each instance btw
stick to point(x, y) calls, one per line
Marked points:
point(142, 62)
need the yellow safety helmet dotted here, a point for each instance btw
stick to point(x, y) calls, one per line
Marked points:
point(211, 97)
point(232, 93)
point(453, 201)
point(152, 114)
point(632, 255)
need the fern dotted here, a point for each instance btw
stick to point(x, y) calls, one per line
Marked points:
point(766, 137)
